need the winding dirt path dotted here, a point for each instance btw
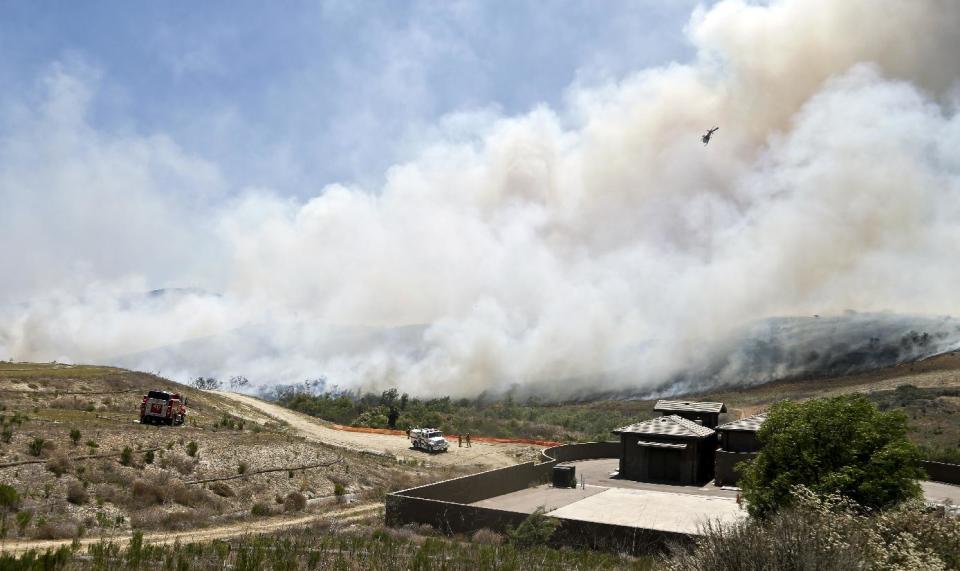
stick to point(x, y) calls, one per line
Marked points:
point(346, 515)
point(481, 454)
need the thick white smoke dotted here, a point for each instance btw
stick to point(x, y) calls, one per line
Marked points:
point(597, 247)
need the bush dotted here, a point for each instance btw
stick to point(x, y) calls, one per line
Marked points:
point(148, 457)
point(126, 457)
point(260, 509)
point(92, 445)
point(36, 446)
point(841, 445)
point(222, 489)
point(23, 521)
point(75, 436)
point(339, 490)
point(59, 465)
point(537, 529)
point(295, 502)
point(9, 498)
point(242, 468)
point(830, 533)
point(76, 493)
point(6, 435)
point(192, 448)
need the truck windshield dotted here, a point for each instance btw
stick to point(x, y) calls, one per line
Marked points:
point(158, 395)
point(436, 434)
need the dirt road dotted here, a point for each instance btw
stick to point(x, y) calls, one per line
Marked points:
point(343, 516)
point(482, 455)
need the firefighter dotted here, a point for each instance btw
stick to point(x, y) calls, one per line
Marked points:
point(468, 440)
point(459, 441)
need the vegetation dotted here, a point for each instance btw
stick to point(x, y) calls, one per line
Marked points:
point(537, 529)
point(503, 418)
point(378, 549)
point(126, 456)
point(192, 448)
point(841, 445)
point(829, 533)
point(75, 436)
point(36, 446)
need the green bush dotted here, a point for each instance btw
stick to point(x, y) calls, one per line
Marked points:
point(260, 509)
point(148, 457)
point(537, 529)
point(339, 490)
point(841, 445)
point(126, 456)
point(242, 468)
point(192, 448)
point(75, 436)
point(831, 534)
point(36, 446)
point(6, 435)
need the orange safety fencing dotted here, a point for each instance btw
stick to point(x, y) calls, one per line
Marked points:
point(473, 438)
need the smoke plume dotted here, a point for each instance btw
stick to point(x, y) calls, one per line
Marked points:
point(599, 246)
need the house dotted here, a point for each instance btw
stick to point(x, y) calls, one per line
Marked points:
point(668, 449)
point(706, 413)
point(738, 443)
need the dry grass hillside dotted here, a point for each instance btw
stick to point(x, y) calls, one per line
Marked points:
point(72, 447)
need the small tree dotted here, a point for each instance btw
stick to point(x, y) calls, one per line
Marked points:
point(75, 436)
point(192, 448)
point(206, 383)
point(148, 457)
point(841, 445)
point(238, 382)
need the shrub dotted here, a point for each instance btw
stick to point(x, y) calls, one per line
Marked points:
point(242, 468)
point(36, 446)
point(222, 489)
point(192, 448)
point(59, 465)
point(487, 536)
point(6, 435)
point(126, 457)
point(537, 529)
point(828, 533)
point(76, 493)
point(148, 457)
point(75, 436)
point(9, 498)
point(339, 490)
point(23, 521)
point(841, 445)
point(260, 509)
point(295, 502)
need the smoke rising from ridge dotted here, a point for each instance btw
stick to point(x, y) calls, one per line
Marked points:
point(598, 245)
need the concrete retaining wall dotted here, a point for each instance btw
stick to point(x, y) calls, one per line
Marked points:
point(941, 472)
point(443, 505)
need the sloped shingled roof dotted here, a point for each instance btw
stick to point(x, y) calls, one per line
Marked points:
point(689, 406)
point(671, 425)
point(748, 424)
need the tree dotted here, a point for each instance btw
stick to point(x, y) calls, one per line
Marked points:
point(841, 445)
point(238, 382)
point(206, 383)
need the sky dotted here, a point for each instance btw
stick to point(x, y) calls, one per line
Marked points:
point(323, 91)
point(465, 197)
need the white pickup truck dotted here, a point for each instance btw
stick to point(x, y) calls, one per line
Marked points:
point(428, 439)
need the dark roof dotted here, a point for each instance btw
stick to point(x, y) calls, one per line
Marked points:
point(689, 406)
point(671, 425)
point(748, 424)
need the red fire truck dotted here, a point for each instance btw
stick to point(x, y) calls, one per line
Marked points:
point(162, 407)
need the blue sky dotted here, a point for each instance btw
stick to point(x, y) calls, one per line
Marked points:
point(295, 95)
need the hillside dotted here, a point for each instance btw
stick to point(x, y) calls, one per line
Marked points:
point(72, 448)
